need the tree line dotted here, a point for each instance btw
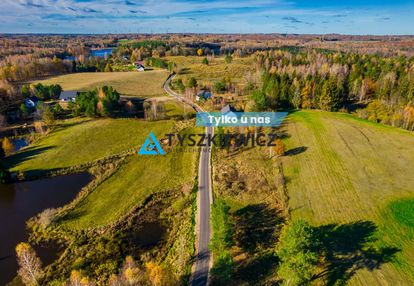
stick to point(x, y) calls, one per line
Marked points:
point(333, 81)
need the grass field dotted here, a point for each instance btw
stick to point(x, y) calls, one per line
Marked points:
point(141, 84)
point(215, 71)
point(355, 176)
point(250, 182)
point(139, 177)
point(82, 141)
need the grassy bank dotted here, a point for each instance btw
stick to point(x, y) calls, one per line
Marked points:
point(137, 178)
point(81, 141)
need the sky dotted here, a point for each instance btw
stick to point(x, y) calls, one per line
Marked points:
point(389, 17)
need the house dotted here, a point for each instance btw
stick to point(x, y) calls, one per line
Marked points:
point(139, 66)
point(228, 109)
point(203, 95)
point(31, 101)
point(69, 95)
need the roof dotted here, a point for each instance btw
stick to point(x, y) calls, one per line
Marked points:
point(204, 93)
point(228, 108)
point(33, 98)
point(68, 94)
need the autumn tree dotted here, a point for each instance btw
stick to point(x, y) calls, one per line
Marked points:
point(30, 266)
point(200, 52)
point(279, 147)
point(159, 275)
point(48, 117)
point(132, 274)
point(77, 279)
point(8, 146)
point(409, 117)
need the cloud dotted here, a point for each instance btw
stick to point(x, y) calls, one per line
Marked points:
point(291, 19)
point(89, 10)
point(138, 12)
point(107, 16)
point(72, 9)
point(30, 3)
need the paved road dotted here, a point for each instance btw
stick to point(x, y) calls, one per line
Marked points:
point(204, 200)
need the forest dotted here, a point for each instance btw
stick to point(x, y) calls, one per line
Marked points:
point(378, 88)
point(369, 75)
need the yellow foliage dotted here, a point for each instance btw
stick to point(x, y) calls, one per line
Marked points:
point(155, 273)
point(21, 248)
point(38, 126)
point(279, 148)
point(8, 146)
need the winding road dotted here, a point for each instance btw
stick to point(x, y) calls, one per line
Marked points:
point(201, 267)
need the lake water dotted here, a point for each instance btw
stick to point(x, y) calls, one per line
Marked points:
point(21, 201)
point(101, 53)
point(19, 143)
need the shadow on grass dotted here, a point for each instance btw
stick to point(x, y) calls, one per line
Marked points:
point(350, 247)
point(256, 228)
point(296, 151)
point(256, 270)
point(72, 215)
point(24, 155)
point(184, 71)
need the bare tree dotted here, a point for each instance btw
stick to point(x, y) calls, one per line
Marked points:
point(30, 266)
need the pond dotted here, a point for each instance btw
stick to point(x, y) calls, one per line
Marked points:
point(148, 234)
point(101, 53)
point(19, 143)
point(23, 200)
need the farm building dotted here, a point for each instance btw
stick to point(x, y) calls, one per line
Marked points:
point(69, 95)
point(203, 95)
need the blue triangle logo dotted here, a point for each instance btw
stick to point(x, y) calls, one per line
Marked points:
point(151, 146)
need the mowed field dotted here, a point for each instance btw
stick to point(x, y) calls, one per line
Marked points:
point(215, 71)
point(140, 84)
point(80, 141)
point(355, 178)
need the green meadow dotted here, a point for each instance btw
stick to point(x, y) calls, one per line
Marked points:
point(137, 178)
point(352, 178)
point(77, 142)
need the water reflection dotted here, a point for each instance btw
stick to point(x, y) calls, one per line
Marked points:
point(21, 201)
